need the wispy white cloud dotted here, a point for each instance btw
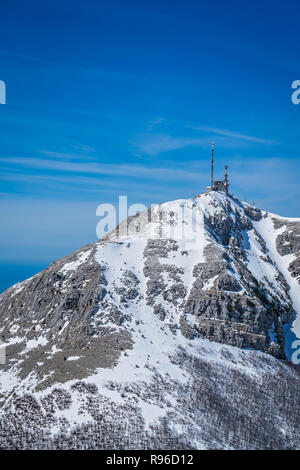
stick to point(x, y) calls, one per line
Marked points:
point(136, 171)
point(166, 122)
point(153, 144)
point(67, 183)
point(66, 156)
point(155, 122)
point(233, 135)
point(109, 73)
point(82, 151)
point(83, 148)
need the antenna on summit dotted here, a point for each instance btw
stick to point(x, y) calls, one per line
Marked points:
point(212, 164)
point(222, 185)
point(226, 179)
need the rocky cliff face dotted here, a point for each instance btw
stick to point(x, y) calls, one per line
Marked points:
point(159, 332)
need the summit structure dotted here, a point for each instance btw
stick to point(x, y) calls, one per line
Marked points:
point(221, 185)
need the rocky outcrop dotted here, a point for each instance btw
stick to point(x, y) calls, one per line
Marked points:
point(288, 243)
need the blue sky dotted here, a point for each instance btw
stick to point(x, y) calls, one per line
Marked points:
point(109, 98)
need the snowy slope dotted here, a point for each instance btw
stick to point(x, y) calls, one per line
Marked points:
point(269, 233)
point(164, 334)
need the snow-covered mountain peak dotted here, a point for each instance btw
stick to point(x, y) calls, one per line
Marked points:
point(185, 219)
point(129, 325)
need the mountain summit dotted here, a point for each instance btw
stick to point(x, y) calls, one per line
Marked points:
point(171, 332)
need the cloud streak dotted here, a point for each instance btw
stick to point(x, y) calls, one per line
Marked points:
point(234, 135)
point(66, 156)
point(153, 144)
point(135, 171)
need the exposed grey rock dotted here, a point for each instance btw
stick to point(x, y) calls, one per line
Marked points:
point(288, 243)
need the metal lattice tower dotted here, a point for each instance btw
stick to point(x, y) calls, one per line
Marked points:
point(226, 179)
point(212, 164)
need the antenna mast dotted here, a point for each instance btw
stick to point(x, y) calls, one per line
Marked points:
point(226, 179)
point(212, 164)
